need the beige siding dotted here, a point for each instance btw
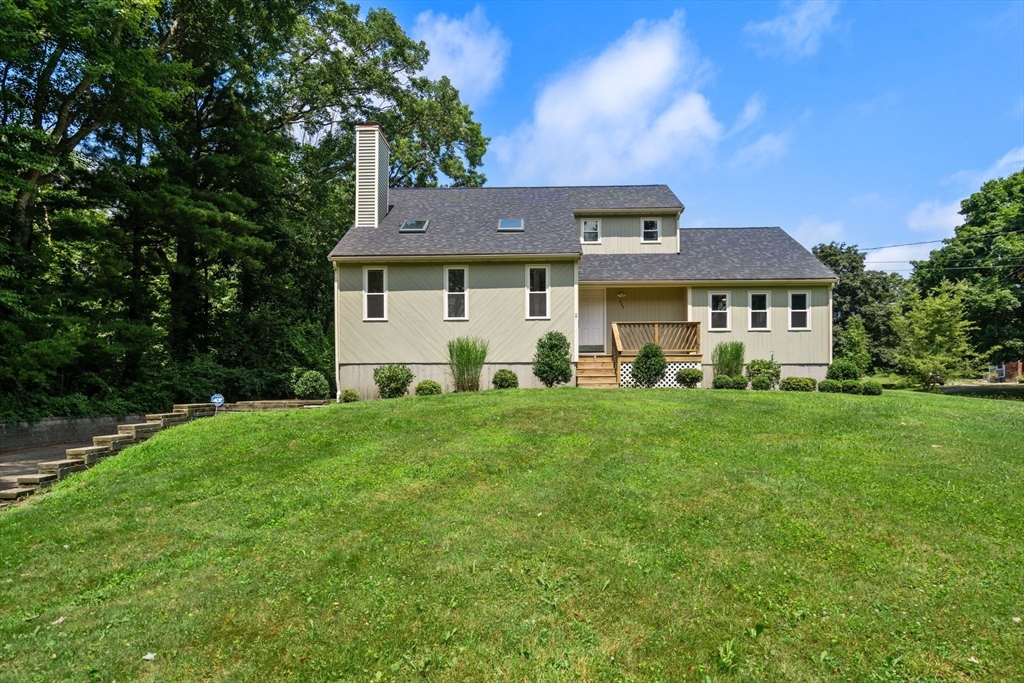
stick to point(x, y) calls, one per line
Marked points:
point(621, 235)
point(416, 331)
point(643, 304)
point(383, 177)
point(366, 177)
point(796, 347)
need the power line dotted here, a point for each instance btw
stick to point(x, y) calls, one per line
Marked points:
point(914, 244)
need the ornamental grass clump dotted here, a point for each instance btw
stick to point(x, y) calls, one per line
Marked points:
point(650, 365)
point(466, 357)
point(727, 358)
point(552, 364)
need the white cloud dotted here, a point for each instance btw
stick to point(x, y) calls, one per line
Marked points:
point(795, 33)
point(768, 147)
point(935, 216)
point(752, 111)
point(812, 230)
point(1011, 162)
point(618, 117)
point(469, 51)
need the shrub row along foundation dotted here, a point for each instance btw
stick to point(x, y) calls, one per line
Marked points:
point(80, 459)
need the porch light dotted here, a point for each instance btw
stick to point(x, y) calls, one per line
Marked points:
point(622, 296)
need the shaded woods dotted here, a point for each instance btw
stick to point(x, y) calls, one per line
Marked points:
point(172, 177)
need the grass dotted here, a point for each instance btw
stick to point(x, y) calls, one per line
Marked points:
point(622, 535)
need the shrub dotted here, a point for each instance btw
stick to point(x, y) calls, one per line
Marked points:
point(830, 386)
point(738, 382)
point(349, 396)
point(727, 358)
point(768, 369)
point(690, 377)
point(852, 386)
point(872, 388)
point(842, 369)
point(428, 387)
point(312, 385)
point(761, 383)
point(392, 380)
point(466, 356)
point(721, 382)
point(505, 379)
point(798, 384)
point(552, 364)
point(650, 365)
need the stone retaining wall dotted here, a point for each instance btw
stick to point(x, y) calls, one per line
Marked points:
point(50, 430)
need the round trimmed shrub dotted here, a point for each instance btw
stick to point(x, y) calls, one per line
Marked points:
point(650, 365)
point(872, 388)
point(843, 369)
point(738, 382)
point(428, 387)
point(830, 386)
point(722, 382)
point(505, 379)
point(764, 368)
point(852, 386)
point(312, 385)
point(761, 383)
point(690, 377)
point(392, 380)
point(551, 363)
point(798, 384)
point(349, 396)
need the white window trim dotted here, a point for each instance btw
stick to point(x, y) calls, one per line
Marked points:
point(366, 270)
point(789, 311)
point(728, 312)
point(445, 302)
point(600, 232)
point(547, 281)
point(642, 240)
point(750, 312)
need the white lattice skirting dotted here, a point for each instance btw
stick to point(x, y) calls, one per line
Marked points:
point(669, 381)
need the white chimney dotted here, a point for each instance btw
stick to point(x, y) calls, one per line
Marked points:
point(372, 174)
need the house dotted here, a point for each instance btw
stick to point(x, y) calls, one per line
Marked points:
point(609, 267)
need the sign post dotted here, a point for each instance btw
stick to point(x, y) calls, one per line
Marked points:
point(217, 400)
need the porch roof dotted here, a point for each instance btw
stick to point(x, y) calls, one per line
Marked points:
point(712, 254)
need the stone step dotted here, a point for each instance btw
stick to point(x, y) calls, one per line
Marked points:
point(89, 454)
point(61, 468)
point(139, 432)
point(15, 494)
point(194, 410)
point(38, 480)
point(167, 419)
point(115, 442)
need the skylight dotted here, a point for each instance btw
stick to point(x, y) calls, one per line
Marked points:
point(510, 224)
point(414, 226)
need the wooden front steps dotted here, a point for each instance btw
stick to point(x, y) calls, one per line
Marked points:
point(596, 372)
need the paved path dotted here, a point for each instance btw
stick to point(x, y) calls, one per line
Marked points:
point(26, 460)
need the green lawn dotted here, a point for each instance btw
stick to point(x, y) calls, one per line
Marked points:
point(564, 534)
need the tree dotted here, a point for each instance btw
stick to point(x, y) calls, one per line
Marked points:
point(934, 336)
point(870, 294)
point(851, 343)
point(551, 363)
point(986, 256)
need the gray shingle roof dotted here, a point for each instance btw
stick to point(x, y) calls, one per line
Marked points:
point(464, 221)
point(713, 254)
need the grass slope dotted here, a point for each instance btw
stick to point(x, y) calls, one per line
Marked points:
point(536, 535)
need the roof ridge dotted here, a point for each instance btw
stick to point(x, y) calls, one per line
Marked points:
point(532, 187)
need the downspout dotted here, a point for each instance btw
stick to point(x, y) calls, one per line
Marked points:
point(830, 323)
point(337, 333)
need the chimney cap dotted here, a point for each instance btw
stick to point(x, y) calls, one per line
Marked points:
point(374, 125)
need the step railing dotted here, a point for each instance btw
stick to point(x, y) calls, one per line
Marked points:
point(678, 339)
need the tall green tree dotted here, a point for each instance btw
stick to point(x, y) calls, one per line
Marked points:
point(986, 255)
point(870, 295)
point(934, 334)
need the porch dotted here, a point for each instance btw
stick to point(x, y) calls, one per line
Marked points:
point(680, 341)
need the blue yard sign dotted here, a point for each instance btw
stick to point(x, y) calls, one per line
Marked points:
point(217, 400)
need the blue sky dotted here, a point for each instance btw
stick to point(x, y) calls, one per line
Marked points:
point(858, 122)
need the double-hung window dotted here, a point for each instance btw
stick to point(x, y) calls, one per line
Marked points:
point(759, 305)
point(592, 230)
point(538, 292)
point(799, 310)
point(719, 305)
point(375, 293)
point(650, 230)
point(456, 286)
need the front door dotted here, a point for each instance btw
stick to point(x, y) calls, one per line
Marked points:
point(592, 321)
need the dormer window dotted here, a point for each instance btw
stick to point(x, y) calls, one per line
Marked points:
point(414, 226)
point(510, 225)
point(592, 230)
point(651, 230)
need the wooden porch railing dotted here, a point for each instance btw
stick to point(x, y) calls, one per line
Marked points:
point(679, 341)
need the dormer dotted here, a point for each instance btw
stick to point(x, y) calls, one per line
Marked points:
point(373, 157)
point(629, 231)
